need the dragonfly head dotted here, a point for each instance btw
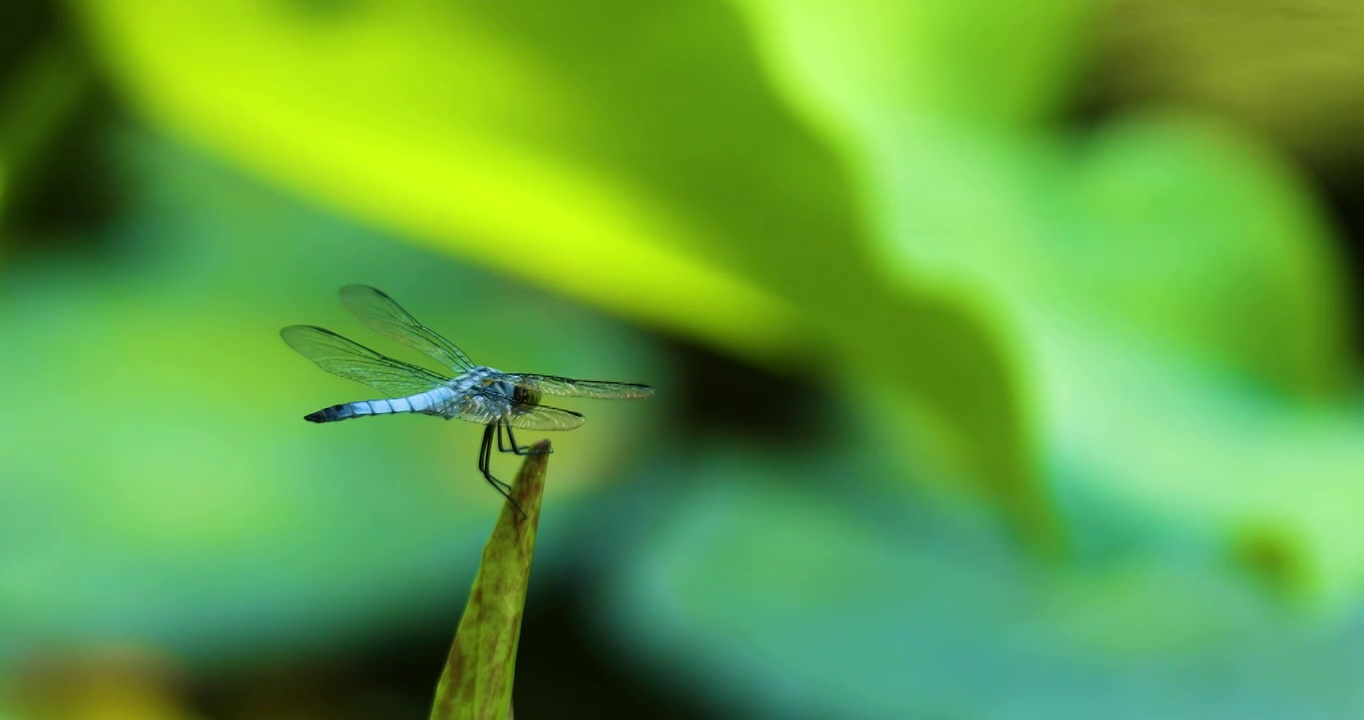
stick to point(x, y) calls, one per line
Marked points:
point(518, 394)
point(522, 396)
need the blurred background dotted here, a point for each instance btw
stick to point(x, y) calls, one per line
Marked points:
point(1007, 357)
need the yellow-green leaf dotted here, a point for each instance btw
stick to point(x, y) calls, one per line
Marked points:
point(521, 137)
point(420, 119)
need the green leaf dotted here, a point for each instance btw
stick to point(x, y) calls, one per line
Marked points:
point(864, 67)
point(1275, 484)
point(1168, 258)
point(432, 120)
point(1165, 226)
point(600, 145)
point(1199, 240)
point(1196, 250)
point(773, 586)
point(477, 680)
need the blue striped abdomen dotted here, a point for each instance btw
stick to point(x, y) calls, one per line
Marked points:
point(426, 402)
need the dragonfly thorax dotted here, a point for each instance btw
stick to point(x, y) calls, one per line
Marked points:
point(491, 381)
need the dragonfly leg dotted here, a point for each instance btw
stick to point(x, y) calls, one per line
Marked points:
point(502, 447)
point(515, 449)
point(485, 454)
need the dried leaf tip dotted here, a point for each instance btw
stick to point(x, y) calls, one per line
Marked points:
point(477, 680)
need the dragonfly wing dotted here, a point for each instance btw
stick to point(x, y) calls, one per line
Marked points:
point(385, 316)
point(486, 406)
point(543, 417)
point(353, 361)
point(569, 387)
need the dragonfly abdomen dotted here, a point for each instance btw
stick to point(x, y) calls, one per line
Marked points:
point(426, 402)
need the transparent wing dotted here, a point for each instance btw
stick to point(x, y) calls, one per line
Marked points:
point(543, 417)
point(354, 361)
point(484, 407)
point(385, 316)
point(568, 387)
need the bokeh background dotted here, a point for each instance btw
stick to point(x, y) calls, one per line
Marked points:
point(1007, 355)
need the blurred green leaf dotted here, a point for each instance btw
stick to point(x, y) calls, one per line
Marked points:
point(1247, 273)
point(1197, 450)
point(1199, 261)
point(1169, 236)
point(427, 119)
point(477, 680)
point(972, 198)
point(865, 68)
point(640, 161)
point(780, 590)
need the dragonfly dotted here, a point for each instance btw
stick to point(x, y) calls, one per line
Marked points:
point(497, 400)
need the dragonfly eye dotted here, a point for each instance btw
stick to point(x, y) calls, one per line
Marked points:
point(525, 397)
